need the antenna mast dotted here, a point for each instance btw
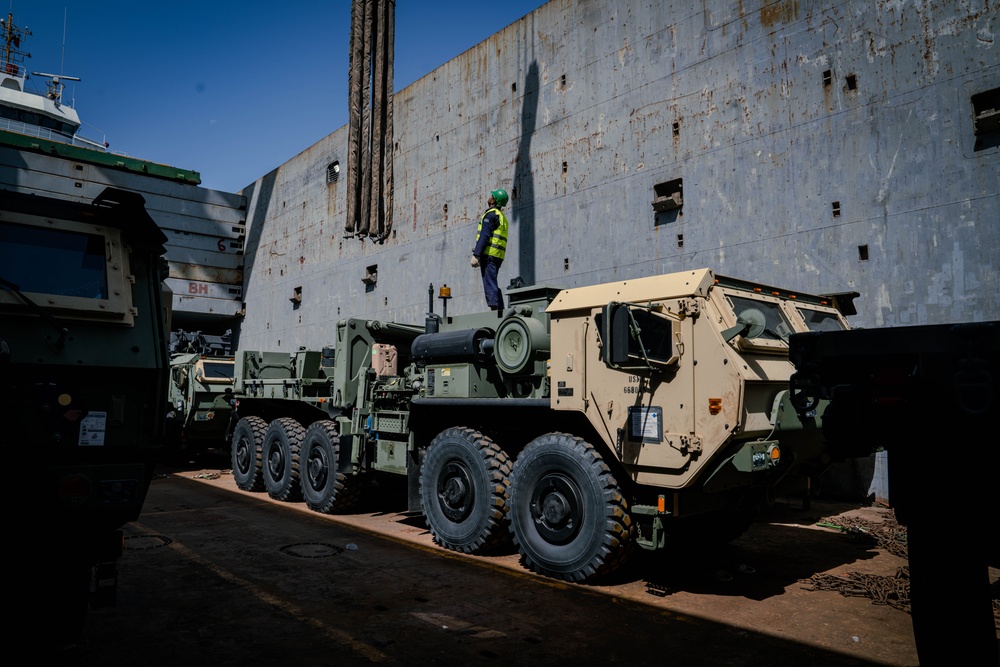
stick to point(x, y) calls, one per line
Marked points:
point(11, 49)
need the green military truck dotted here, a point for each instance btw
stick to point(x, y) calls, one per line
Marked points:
point(579, 423)
point(200, 397)
point(83, 364)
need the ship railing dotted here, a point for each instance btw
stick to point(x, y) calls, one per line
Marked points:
point(89, 143)
point(47, 134)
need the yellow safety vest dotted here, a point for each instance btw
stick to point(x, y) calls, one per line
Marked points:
point(498, 241)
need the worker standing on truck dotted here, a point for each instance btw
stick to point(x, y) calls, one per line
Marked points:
point(491, 246)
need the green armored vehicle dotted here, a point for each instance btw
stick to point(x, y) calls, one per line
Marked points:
point(200, 394)
point(579, 423)
point(83, 364)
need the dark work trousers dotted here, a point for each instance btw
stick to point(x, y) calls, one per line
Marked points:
point(489, 267)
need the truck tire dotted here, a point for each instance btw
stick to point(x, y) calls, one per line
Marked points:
point(324, 488)
point(248, 438)
point(568, 516)
point(465, 489)
point(280, 459)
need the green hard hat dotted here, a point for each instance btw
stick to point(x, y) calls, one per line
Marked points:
point(500, 196)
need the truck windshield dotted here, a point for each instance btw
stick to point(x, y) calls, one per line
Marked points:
point(766, 317)
point(54, 261)
point(214, 370)
point(817, 320)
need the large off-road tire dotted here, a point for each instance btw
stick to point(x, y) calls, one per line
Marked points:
point(248, 438)
point(280, 458)
point(465, 488)
point(568, 516)
point(324, 488)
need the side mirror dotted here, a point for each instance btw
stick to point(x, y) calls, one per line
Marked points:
point(750, 323)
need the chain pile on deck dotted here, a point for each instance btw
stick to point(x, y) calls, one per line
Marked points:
point(893, 591)
point(886, 534)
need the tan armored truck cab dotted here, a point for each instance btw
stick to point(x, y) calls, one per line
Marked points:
point(667, 375)
point(685, 378)
point(579, 423)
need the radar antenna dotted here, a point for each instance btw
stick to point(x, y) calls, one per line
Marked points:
point(55, 85)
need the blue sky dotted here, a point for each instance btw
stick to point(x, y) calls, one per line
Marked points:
point(229, 89)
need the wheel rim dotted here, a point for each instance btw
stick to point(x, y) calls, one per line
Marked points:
point(556, 508)
point(316, 467)
point(243, 455)
point(276, 461)
point(456, 491)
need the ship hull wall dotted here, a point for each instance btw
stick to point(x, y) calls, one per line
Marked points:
point(824, 146)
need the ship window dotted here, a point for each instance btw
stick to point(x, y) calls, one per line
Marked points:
point(986, 118)
point(333, 172)
point(371, 276)
point(668, 202)
point(668, 196)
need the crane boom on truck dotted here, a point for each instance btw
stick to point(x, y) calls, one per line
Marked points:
point(580, 423)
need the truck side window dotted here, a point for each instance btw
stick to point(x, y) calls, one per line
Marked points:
point(621, 345)
point(77, 269)
point(74, 261)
